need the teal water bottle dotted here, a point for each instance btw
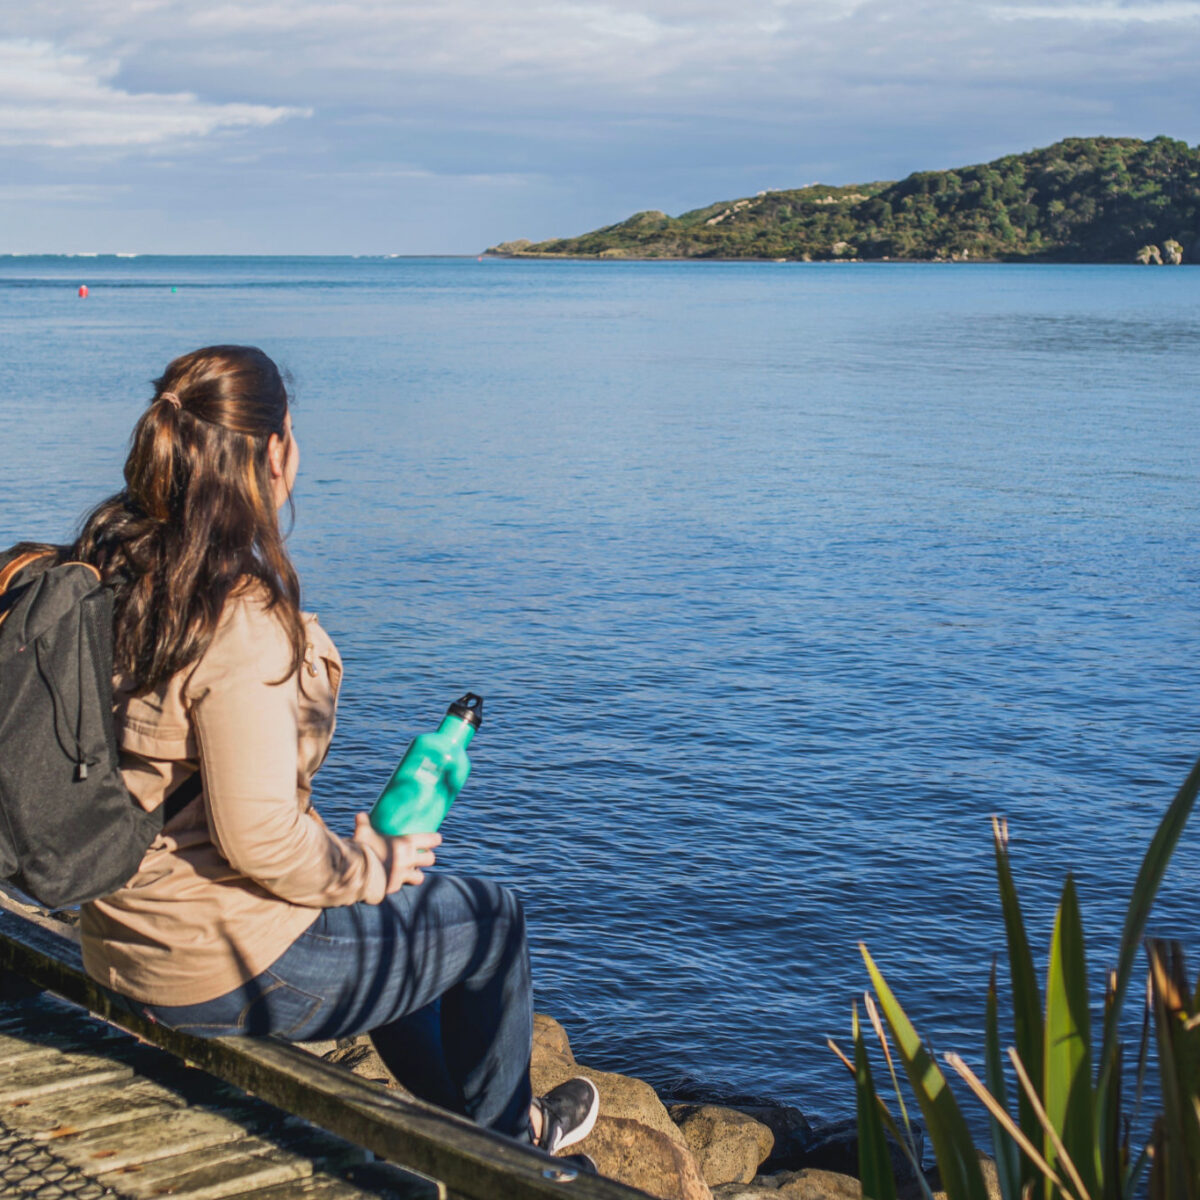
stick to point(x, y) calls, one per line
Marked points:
point(431, 773)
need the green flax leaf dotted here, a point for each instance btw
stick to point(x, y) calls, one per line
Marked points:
point(957, 1158)
point(874, 1163)
point(1007, 1155)
point(1069, 1102)
point(1178, 1070)
point(1026, 997)
point(1145, 888)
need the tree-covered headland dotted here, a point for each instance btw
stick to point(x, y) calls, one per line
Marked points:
point(1081, 200)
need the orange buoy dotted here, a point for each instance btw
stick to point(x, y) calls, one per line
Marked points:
point(83, 291)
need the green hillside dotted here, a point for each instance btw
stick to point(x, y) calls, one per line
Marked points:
point(1080, 200)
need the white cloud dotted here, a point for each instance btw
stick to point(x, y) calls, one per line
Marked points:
point(246, 17)
point(505, 179)
point(59, 193)
point(613, 23)
point(399, 56)
point(1110, 13)
point(606, 43)
point(52, 97)
point(431, 112)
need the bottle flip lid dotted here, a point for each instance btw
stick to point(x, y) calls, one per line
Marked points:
point(469, 708)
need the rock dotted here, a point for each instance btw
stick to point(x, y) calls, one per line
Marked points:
point(320, 1049)
point(360, 1056)
point(791, 1132)
point(620, 1095)
point(806, 1184)
point(991, 1177)
point(634, 1154)
point(1174, 252)
point(834, 1147)
point(550, 1038)
point(991, 1182)
point(1149, 254)
point(728, 1146)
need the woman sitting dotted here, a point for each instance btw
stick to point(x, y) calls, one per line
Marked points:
point(248, 915)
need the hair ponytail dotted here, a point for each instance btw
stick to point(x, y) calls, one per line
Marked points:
point(195, 522)
point(152, 470)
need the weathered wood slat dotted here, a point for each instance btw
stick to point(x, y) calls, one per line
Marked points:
point(211, 1173)
point(137, 1143)
point(318, 1189)
point(79, 1110)
point(53, 1023)
point(18, 1045)
point(327, 1148)
point(289, 1152)
point(470, 1161)
point(14, 1053)
point(43, 1159)
point(58, 1072)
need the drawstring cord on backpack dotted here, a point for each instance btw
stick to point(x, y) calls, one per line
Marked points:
point(81, 763)
point(60, 709)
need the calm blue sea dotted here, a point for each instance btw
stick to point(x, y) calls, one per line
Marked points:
point(778, 580)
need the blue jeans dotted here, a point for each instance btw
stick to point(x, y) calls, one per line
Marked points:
point(438, 975)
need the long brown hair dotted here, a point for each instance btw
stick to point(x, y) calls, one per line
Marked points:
point(195, 522)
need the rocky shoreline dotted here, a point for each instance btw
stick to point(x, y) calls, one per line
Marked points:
point(743, 1148)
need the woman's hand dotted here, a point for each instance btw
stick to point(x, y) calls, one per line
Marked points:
point(402, 857)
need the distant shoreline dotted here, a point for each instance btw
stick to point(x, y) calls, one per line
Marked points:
point(822, 262)
point(110, 260)
point(1082, 200)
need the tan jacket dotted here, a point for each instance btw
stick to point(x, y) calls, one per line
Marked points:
point(244, 869)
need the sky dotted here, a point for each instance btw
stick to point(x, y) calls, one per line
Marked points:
point(446, 126)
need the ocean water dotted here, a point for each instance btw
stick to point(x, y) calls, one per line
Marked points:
point(778, 580)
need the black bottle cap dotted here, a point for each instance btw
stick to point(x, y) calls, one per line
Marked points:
point(469, 708)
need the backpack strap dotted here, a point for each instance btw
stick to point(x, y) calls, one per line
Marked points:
point(181, 797)
point(191, 787)
point(17, 565)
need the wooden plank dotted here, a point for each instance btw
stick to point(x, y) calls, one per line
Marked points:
point(286, 1154)
point(471, 1161)
point(50, 1117)
point(137, 1143)
point(59, 1072)
point(117, 1058)
point(302, 1137)
point(390, 1182)
point(211, 1173)
point(54, 1022)
point(15, 1052)
point(325, 1187)
point(17, 1047)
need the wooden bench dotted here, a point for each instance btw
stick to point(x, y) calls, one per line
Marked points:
point(460, 1158)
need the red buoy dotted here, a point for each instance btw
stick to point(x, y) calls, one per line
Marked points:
point(83, 291)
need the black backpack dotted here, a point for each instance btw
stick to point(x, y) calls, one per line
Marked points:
point(69, 829)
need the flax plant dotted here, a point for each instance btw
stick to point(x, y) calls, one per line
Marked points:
point(1068, 1136)
point(1174, 1149)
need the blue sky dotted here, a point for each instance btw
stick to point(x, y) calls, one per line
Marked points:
point(369, 126)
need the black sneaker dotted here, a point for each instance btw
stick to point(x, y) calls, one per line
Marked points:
point(571, 1166)
point(568, 1114)
point(583, 1163)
